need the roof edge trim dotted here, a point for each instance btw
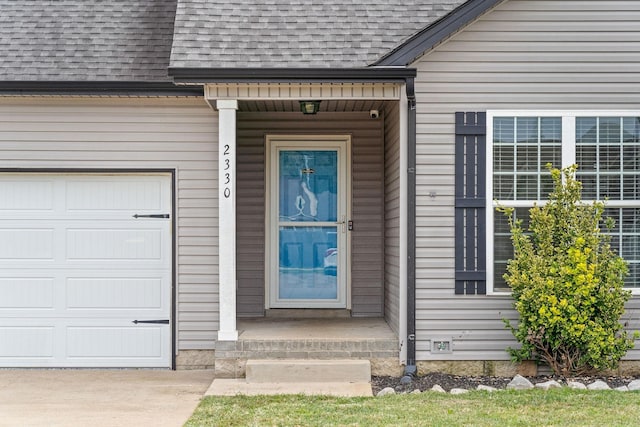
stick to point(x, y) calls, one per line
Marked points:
point(427, 38)
point(290, 75)
point(138, 88)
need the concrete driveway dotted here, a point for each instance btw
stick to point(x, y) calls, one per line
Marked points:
point(96, 398)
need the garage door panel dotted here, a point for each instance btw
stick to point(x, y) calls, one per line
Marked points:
point(131, 241)
point(84, 193)
point(83, 343)
point(26, 293)
point(113, 342)
point(91, 342)
point(114, 195)
point(115, 293)
point(83, 264)
point(27, 195)
point(144, 244)
point(114, 244)
point(76, 270)
point(59, 293)
point(26, 341)
point(26, 243)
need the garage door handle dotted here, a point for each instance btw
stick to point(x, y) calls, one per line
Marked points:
point(152, 216)
point(161, 321)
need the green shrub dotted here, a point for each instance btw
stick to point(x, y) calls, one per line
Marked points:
point(567, 284)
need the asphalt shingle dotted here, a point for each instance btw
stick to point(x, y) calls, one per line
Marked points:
point(85, 40)
point(296, 34)
point(135, 40)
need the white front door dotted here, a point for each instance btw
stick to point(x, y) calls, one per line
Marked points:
point(307, 260)
point(80, 275)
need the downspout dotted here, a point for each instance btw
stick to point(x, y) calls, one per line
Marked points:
point(410, 369)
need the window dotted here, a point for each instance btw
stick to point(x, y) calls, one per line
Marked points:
point(606, 147)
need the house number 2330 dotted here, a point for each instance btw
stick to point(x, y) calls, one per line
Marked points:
point(226, 167)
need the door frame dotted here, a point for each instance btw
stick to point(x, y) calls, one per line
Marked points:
point(308, 141)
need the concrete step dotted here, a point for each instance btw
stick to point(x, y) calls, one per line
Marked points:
point(308, 370)
point(234, 387)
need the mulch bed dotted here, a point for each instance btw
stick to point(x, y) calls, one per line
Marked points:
point(447, 382)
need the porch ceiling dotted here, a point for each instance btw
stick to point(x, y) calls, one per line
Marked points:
point(332, 105)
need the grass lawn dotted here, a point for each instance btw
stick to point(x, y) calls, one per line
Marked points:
point(559, 407)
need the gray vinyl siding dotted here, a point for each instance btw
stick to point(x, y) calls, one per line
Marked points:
point(392, 216)
point(136, 134)
point(549, 54)
point(367, 203)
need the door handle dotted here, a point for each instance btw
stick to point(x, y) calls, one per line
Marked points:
point(160, 321)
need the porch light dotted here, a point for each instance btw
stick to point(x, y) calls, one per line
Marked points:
point(309, 107)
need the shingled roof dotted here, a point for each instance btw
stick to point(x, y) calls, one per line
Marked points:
point(85, 40)
point(136, 40)
point(297, 34)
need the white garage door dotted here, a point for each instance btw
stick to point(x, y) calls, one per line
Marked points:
point(77, 269)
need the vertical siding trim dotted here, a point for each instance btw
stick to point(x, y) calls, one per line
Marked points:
point(392, 202)
point(470, 194)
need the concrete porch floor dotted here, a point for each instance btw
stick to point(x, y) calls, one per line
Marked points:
point(336, 329)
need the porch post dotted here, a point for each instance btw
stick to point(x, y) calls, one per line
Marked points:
point(227, 218)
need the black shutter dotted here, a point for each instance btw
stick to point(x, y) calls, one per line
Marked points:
point(471, 277)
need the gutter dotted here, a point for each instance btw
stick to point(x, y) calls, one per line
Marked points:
point(105, 88)
point(290, 75)
point(411, 368)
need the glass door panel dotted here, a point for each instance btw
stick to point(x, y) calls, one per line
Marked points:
point(308, 263)
point(308, 193)
point(308, 189)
